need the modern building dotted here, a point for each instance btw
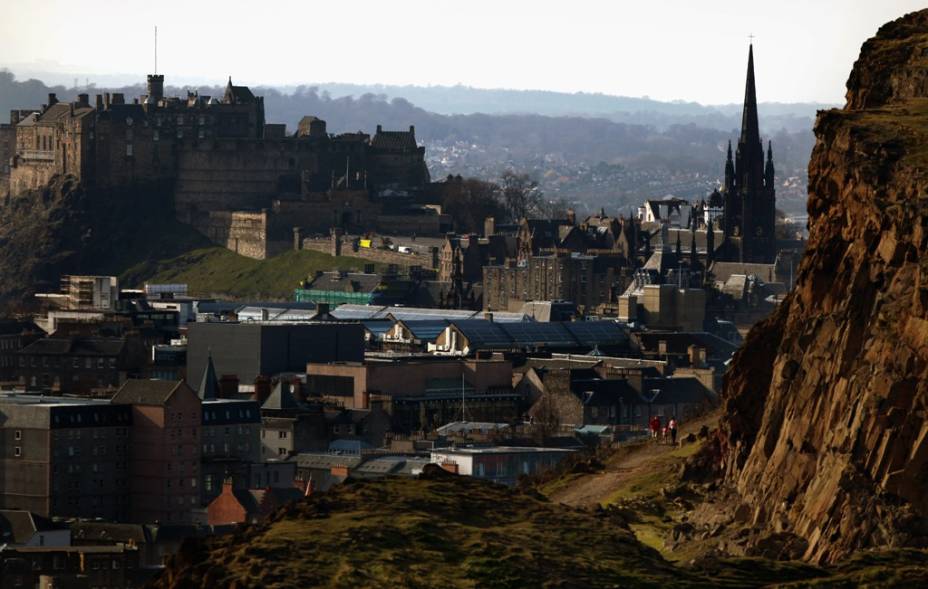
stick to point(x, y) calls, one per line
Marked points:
point(499, 464)
point(248, 350)
point(65, 457)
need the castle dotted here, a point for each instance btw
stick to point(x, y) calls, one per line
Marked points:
point(228, 168)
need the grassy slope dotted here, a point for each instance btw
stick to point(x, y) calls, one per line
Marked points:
point(458, 532)
point(445, 531)
point(214, 270)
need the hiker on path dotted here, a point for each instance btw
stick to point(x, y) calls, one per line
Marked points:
point(672, 426)
point(655, 426)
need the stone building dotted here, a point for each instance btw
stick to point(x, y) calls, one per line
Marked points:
point(587, 280)
point(217, 154)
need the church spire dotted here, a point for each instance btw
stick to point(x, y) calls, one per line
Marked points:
point(768, 169)
point(729, 171)
point(750, 129)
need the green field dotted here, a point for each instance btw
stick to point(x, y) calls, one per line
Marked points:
point(216, 271)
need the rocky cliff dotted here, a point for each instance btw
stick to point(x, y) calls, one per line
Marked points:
point(825, 434)
point(66, 228)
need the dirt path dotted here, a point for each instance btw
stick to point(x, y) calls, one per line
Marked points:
point(636, 462)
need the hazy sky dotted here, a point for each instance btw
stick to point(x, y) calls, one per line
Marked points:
point(665, 49)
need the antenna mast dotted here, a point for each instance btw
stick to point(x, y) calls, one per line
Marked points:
point(156, 49)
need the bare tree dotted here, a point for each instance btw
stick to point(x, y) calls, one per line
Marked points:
point(521, 195)
point(546, 418)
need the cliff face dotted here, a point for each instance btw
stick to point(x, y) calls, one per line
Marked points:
point(826, 431)
point(66, 228)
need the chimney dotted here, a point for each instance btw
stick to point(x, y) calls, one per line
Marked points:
point(489, 226)
point(99, 101)
point(412, 129)
point(262, 389)
point(118, 98)
point(83, 99)
point(228, 386)
point(52, 99)
point(297, 389)
point(379, 129)
point(107, 100)
point(571, 217)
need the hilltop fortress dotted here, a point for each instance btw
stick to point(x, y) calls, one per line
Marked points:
point(241, 181)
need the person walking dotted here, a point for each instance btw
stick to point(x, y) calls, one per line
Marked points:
point(672, 426)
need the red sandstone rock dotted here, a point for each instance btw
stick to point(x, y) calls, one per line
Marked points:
point(826, 427)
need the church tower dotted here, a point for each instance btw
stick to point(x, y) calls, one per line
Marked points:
point(750, 196)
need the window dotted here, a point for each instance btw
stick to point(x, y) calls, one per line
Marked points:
point(282, 435)
point(18, 451)
point(18, 434)
point(281, 451)
point(128, 150)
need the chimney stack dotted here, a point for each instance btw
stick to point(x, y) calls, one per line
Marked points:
point(52, 99)
point(83, 99)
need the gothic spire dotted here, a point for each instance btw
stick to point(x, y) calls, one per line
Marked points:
point(750, 129)
point(729, 170)
point(768, 170)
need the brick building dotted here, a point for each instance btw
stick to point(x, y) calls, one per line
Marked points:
point(165, 450)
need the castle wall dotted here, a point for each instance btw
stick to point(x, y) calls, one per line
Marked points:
point(374, 255)
point(243, 232)
point(7, 151)
point(232, 175)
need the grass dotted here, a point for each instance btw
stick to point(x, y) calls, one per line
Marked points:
point(440, 531)
point(214, 270)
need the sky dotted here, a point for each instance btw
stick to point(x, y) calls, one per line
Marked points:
point(664, 49)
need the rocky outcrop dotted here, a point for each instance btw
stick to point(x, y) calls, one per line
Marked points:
point(825, 434)
point(66, 228)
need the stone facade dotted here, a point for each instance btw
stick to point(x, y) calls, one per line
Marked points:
point(588, 281)
point(220, 156)
point(246, 233)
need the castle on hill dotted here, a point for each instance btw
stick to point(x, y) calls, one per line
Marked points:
point(220, 156)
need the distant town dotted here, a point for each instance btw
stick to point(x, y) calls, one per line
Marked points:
point(134, 416)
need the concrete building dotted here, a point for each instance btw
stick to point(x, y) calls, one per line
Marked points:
point(64, 456)
point(248, 350)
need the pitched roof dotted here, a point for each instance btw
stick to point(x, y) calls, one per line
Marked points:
point(394, 139)
point(109, 532)
point(280, 398)
point(76, 346)
point(147, 392)
point(238, 94)
point(18, 527)
point(209, 385)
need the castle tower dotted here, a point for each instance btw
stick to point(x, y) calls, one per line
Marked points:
point(156, 86)
point(750, 199)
